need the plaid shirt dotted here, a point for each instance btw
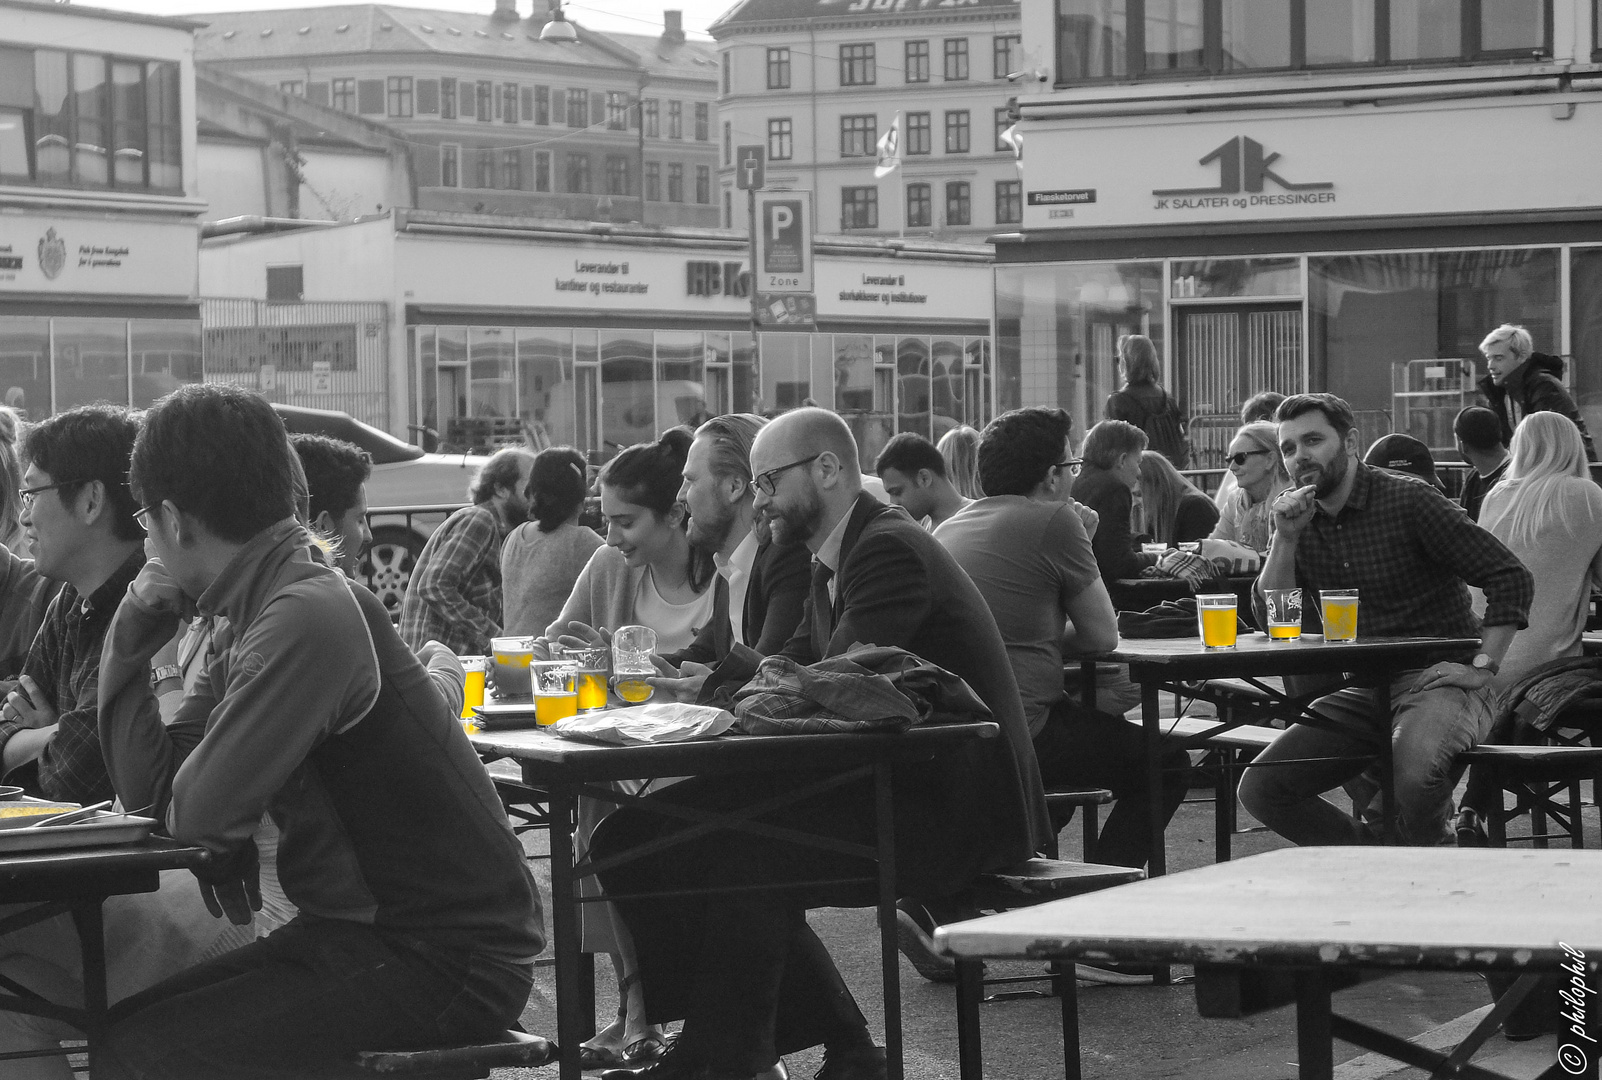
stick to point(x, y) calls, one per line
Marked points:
point(1408, 550)
point(65, 664)
point(455, 594)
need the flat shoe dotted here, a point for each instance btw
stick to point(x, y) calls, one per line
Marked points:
point(643, 1051)
point(592, 1058)
point(918, 946)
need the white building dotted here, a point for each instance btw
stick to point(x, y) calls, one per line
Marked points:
point(817, 82)
point(99, 204)
point(1331, 196)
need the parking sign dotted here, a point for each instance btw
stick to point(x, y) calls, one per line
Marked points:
point(784, 241)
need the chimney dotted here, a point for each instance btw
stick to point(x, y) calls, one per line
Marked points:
point(672, 26)
point(505, 11)
point(540, 15)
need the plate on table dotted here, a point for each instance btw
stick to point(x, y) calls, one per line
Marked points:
point(506, 715)
point(103, 828)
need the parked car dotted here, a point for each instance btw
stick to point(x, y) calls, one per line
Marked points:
point(404, 476)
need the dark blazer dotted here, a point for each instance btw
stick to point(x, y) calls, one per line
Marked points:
point(774, 597)
point(1113, 543)
point(969, 811)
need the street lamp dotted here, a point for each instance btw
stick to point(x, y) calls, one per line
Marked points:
point(558, 29)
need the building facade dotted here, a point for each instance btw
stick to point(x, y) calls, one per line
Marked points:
point(1298, 196)
point(497, 120)
point(601, 336)
point(99, 207)
point(817, 82)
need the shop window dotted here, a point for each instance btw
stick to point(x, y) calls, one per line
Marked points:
point(492, 357)
point(857, 135)
point(786, 370)
point(91, 362)
point(544, 384)
point(959, 203)
point(957, 131)
point(920, 206)
point(399, 95)
point(779, 68)
point(859, 208)
point(919, 139)
point(917, 61)
point(342, 96)
point(681, 393)
point(25, 365)
point(164, 354)
point(285, 284)
point(956, 55)
point(1215, 279)
point(857, 65)
point(780, 139)
point(1009, 202)
point(628, 390)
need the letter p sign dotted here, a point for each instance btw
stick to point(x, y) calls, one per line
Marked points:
point(783, 244)
point(781, 221)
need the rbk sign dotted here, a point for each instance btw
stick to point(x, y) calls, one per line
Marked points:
point(1245, 168)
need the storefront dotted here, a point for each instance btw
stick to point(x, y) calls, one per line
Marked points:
point(1336, 235)
point(601, 337)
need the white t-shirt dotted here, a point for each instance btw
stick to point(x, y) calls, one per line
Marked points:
point(675, 624)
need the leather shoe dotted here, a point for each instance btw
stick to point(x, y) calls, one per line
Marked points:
point(1470, 829)
point(858, 1063)
point(675, 1066)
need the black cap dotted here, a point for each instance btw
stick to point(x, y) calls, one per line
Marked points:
point(1404, 454)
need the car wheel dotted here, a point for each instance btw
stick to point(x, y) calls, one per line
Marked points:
point(387, 567)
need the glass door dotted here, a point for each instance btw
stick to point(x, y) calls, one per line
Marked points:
point(1225, 354)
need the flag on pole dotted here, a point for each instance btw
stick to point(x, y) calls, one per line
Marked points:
point(1014, 138)
point(889, 150)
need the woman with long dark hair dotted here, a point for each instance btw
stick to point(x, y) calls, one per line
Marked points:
point(542, 558)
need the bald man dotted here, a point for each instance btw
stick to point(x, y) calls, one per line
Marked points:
point(745, 972)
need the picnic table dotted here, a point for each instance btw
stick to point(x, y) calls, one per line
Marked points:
point(1296, 925)
point(567, 768)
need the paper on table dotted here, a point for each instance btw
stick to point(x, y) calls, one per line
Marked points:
point(659, 722)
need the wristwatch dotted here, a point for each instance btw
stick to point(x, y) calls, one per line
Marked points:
point(159, 675)
point(1482, 662)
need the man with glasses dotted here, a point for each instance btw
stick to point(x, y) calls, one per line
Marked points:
point(745, 972)
point(78, 515)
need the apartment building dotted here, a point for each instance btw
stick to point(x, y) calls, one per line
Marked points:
point(1343, 196)
point(499, 121)
point(818, 82)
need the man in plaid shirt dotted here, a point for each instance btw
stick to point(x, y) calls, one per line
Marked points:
point(455, 592)
point(1411, 554)
point(78, 514)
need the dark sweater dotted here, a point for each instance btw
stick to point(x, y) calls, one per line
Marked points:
point(1114, 542)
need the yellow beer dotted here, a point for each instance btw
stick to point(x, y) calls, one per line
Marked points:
point(1218, 627)
point(633, 688)
point(1339, 610)
point(1285, 631)
point(473, 688)
point(592, 689)
point(549, 708)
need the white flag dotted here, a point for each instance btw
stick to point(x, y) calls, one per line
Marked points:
point(1014, 138)
point(889, 150)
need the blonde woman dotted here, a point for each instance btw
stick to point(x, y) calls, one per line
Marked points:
point(1174, 509)
point(1246, 513)
point(960, 448)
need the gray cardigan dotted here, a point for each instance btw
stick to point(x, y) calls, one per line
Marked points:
point(603, 595)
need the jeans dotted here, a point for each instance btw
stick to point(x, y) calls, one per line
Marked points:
point(1428, 730)
point(302, 1001)
point(1086, 748)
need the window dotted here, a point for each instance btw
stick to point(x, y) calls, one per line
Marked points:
point(578, 108)
point(780, 136)
point(527, 94)
point(542, 104)
point(559, 107)
point(617, 175)
point(653, 119)
point(959, 210)
point(542, 170)
point(957, 131)
point(1009, 202)
point(856, 65)
point(859, 208)
point(509, 103)
point(779, 69)
point(578, 173)
point(88, 120)
point(1006, 50)
point(511, 170)
point(725, 62)
point(919, 140)
point(703, 123)
point(956, 59)
point(728, 209)
point(399, 95)
point(427, 97)
point(728, 143)
point(703, 184)
point(920, 206)
point(675, 185)
point(653, 181)
point(486, 169)
point(370, 97)
point(917, 63)
point(675, 119)
point(484, 101)
point(343, 95)
point(450, 165)
point(1115, 39)
point(292, 87)
point(1003, 122)
point(617, 110)
point(286, 284)
point(857, 135)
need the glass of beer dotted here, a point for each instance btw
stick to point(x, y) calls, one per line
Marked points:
point(555, 692)
point(1158, 550)
point(1284, 613)
point(592, 671)
point(1216, 614)
point(473, 688)
point(512, 657)
point(1338, 608)
point(632, 647)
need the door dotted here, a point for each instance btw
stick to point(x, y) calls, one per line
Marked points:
point(1225, 354)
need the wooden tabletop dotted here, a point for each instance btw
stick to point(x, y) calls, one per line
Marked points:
point(1258, 654)
point(547, 756)
point(1442, 908)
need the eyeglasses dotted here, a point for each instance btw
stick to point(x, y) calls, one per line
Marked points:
point(27, 494)
point(142, 515)
point(1240, 458)
point(767, 483)
point(1072, 465)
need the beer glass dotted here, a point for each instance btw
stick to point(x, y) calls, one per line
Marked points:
point(592, 671)
point(1215, 612)
point(473, 687)
point(632, 647)
point(1338, 609)
point(555, 695)
point(512, 657)
point(1284, 613)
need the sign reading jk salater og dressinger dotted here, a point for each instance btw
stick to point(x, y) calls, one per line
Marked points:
point(56, 253)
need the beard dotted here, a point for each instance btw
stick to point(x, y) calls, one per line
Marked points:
point(1326, 478)
point(711, 533)
point(798, 522)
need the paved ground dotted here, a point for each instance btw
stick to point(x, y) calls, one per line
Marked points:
point(1128, 1033)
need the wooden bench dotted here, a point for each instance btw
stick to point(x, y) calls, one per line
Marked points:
point(527, 806)
point(1088, 801)
point(513, 1049)
point(1534, 773)
point(1036, 881)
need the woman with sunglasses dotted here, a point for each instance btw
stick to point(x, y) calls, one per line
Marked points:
point(1246, 514)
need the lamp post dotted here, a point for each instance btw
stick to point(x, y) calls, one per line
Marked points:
point(558, 29)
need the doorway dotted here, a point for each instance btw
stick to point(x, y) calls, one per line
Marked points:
point(1223, 355)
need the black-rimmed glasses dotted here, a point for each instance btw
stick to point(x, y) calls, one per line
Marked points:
point(767, 483)
point(27, 494)
point(1239, 459)
point(1072, 465)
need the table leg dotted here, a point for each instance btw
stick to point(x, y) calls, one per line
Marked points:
point(1315, 1051)
point(970, 985)
point(1067, 987)
point(86, 917)
point(1158, 864)
point(1087, 683)
point(889, 953)
point(570, 1010)
point(1387, 765)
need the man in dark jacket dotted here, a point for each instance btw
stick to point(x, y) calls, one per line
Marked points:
point(1108, 478)
point(745, 972)
point(1521, 381)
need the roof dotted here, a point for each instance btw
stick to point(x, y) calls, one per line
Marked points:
point(663, 56)
point(312, 125)
point(346, 29)
point(171, 21)
point(748, 12)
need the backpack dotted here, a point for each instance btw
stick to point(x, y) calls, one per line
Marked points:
point(1165, 428)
